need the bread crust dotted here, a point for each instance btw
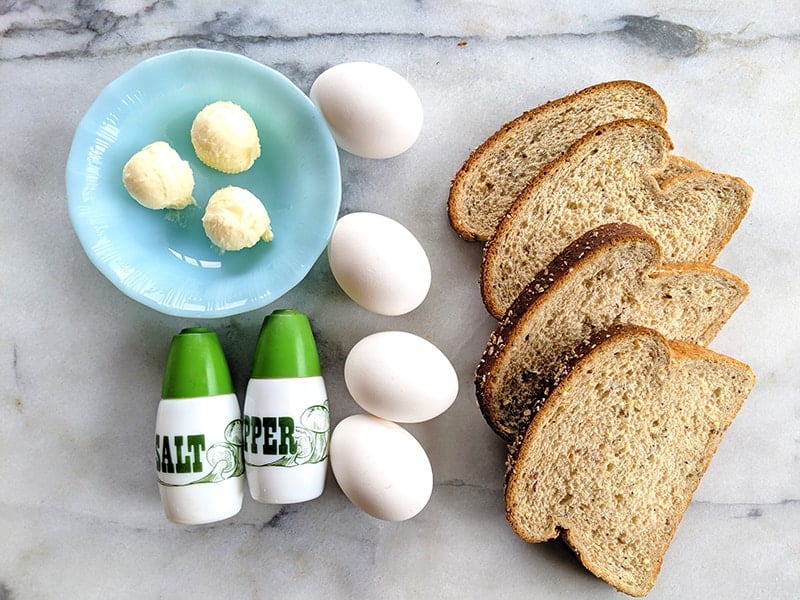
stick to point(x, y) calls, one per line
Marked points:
point(457, 197)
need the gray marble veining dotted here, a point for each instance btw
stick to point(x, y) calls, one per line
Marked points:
point(80, 364)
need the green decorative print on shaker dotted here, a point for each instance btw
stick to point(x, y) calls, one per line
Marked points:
point(294, 444)
point(224, 458)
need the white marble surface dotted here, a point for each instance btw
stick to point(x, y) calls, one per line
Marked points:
point(81, 364)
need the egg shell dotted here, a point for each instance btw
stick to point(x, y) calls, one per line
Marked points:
point(400, 377)
point(371, 110)
point(379, 263)
point(380, 467)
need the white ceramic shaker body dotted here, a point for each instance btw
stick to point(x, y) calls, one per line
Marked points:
point(286, 422)
point(198, 433)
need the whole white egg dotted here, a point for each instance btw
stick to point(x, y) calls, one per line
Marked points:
point(400, 377)
point(380, 467)
point(379, 263)
point(372, 111)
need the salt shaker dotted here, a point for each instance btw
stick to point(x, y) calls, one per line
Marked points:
point(198, 433)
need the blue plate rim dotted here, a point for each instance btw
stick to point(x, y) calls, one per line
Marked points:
point(88, 122)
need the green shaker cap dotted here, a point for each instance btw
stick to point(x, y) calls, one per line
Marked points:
point(286, 347)
point(196, 366)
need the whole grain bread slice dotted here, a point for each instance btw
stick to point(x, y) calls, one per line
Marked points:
point(497, 171)
point(612, 459)
point(612, 274)
point(608, 176)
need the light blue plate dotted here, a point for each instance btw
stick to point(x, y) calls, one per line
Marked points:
point(163, 259)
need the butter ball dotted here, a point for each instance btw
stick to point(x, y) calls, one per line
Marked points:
point(225, 137)
point(236, 219)
point(156, 177)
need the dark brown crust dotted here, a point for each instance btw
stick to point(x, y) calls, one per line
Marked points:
point(521, 121)
point(519, 203)
point(560, 267)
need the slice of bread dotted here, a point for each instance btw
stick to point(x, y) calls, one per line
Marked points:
point(612, 459)
point(608, 176)
point(498, 170)
point(610, 275)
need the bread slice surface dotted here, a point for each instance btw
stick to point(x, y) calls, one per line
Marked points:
point(609, 177)
point(611, 275)
point(497, 171)
point(612, 459)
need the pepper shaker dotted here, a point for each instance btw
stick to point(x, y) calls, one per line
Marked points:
point(286, 420)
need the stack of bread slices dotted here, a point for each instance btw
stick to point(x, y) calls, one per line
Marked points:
point(597, 264)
